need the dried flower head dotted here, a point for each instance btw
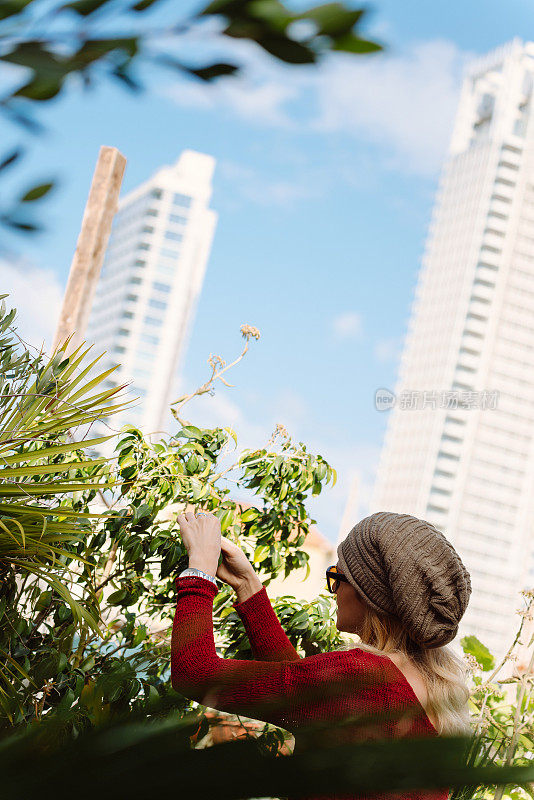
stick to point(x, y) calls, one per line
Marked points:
point(280, 430)
point(248, 330)
point(471, 662)
point(216, 361)
point(525, 613)
point(528, 593)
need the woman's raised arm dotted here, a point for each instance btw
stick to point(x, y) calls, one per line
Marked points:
point(267, 638)
point(286, 693)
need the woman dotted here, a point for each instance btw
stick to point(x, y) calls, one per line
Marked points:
point(399, 585)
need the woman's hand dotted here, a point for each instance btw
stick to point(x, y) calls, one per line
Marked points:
point(202, 539)
point(237, 571)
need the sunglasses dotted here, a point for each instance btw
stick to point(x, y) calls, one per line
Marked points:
point(333, 578)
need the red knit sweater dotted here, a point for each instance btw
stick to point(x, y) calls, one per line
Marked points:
point(280, 687)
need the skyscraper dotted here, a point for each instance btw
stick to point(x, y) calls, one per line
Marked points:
point(150, 283)
point(459, 448)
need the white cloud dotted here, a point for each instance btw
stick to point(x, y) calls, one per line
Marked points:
point(403, 102)
point(262, 101)
point(387, 349)
point(37, 295)
point(347, 325)
point(250, 184)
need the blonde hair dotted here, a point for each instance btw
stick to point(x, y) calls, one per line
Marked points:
point(443, 673)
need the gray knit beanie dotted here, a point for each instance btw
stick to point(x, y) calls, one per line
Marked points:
point(405, 567)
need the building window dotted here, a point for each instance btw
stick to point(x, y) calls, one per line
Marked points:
point(177, 218)
point(182, 200)
point(505, 181)
point(512, 149)
point(167, 269)
point(119, 349)
point(135, 280)
point(175, 237)
point(147, 229)
point(157, 304)
point(438, 490)
point(169, 253)
point(480, 282)
point(139, 263)
point(443, 454)
point(127, 314)
point(508, 165)
point(148, 339)
point(132, 298)
point(161, 287)
point(123, 332)
point(143, 246)
point(157, 193)
point(152, 212)
point(153, 321)
point(501, 197)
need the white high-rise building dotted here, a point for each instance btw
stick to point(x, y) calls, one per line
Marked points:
point(459, 448)
point(150, 283)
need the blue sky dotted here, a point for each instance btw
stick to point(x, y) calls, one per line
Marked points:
point(324, 187)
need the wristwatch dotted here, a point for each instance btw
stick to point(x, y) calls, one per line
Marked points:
point(197, 573)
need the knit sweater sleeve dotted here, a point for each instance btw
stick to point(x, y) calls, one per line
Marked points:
point(286, 693)
point(267, 638)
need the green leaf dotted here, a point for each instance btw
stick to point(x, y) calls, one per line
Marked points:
point(116, 598)
point(12, 157)
point(217, 7)
point(36, 192)
point(20, 225)
point(249, 514)
point(353, 44)
point(66, 701)
point(227, 519)
point(261, 552)
point(140, 635)
point(85, 7)
point(192, 463)
point(320, 471)
point(474, 647)
point(40, 88)
point(300, 621)
point(213, 71)
point(143, 4)
point(45, 598)
point(332, 19)
point(142, 512)
point(9, 8)
point(196, 488)
point(190, 432)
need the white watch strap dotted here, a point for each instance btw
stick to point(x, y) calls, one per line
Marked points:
point(197, 573)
